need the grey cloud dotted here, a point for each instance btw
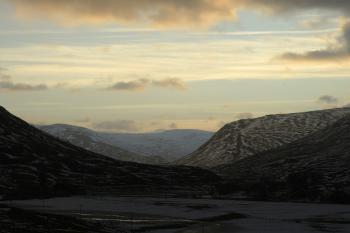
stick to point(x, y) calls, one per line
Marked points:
point(335, 52)
point(142, 84)
point(171, 82)
point(7, 84)
point(328, 99)
point(137, 85)
point(281, 6)
point(118, 126)
point(317, 23)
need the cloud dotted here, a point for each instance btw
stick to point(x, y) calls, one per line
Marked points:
point(142, 84)
point(7, 84)
point(338, 51)
point(328, 99)
point(138, 85)
point(171, 82)
point(317, 23)
point(118, 126)
point(281, 6)
point(161, 13)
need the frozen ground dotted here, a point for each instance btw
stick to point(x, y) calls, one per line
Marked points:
point(141, 214)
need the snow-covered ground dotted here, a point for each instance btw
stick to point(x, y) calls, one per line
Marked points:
point(145, 214)
point(248, 137)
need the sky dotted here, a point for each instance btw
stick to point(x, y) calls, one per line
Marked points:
point(146, 65)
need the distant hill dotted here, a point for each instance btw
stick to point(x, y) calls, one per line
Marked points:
point(244, 138)
point(158, 146)
point(36, 164)
point(92, 141)
point(314, 168)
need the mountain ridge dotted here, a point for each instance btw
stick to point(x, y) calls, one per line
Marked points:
point(90, 140)
point(154, 147)
point(35, 164)
point(244, 138)
point(313, 168)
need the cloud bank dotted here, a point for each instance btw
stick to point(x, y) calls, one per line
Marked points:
point(142, 84)
point(162, 13)
point(7, 84)
point(170, 83)
point(338, 51)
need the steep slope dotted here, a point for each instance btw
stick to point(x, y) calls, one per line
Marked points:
point(35, 164)
point(155, 147)
point(314, 168)
point(244, 138)
point(92, 141)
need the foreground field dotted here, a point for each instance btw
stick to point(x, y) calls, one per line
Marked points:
point(143, 214)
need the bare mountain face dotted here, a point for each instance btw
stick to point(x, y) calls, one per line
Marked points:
point(151, 148)
point(314, 168)
point(36, 164)
point(244, 138)
point(94, 142)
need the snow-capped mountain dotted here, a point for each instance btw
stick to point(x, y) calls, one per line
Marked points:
point(94, 142)
point(158, 146)
point(36, 164)
point(314, 168)
point(244, 138)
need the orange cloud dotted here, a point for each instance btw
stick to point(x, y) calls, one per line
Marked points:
point(161, 13)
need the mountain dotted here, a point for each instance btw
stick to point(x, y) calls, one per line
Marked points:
point(314, 168)
point(158, 146)
point(92, 141)
point(244, 138)
point(36, 164)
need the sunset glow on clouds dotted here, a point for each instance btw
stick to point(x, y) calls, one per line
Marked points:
point(160, 63)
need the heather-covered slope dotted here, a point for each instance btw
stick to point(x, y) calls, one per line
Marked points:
point(315, 168)
point(35, 164)
point(244, 138)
